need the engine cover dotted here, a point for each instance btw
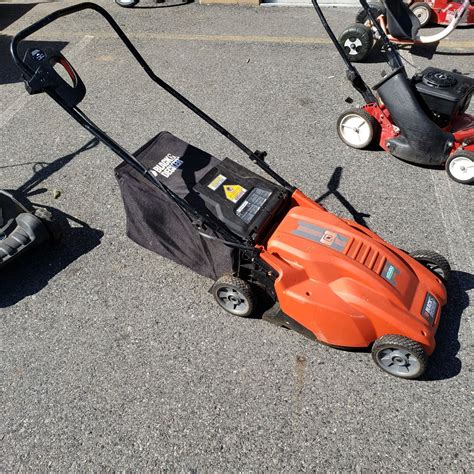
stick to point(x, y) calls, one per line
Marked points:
point(446, 94)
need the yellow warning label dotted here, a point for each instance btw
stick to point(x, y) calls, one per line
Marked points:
point(216, 182)
point(233, 192)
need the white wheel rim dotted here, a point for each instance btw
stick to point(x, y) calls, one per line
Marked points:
point(422, 14)
point(462, 168)
point(126, 2)
point(352, 44)
point(355, 130)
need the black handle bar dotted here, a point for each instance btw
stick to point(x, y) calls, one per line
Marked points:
point(255, 156)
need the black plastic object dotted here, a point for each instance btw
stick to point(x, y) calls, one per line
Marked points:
point(401, 21)
point(244, 201)
point(420, 140)
point(20, 230)
point(444, 93)
point(43, 62)
point(156, 223)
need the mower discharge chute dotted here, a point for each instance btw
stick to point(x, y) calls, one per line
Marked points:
point(422, 120)
point(328, 278)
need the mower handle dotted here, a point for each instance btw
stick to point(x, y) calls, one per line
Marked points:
point(40, 24)
point(256, 156)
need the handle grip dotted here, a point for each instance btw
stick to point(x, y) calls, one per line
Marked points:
point(40, 24)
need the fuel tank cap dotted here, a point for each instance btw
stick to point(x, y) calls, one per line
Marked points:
point(439, 79)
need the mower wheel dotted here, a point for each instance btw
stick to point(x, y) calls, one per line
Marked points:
point(422, 11)
point(126, 3)
point(52, 225)
point(357, 128)
point(460, 166)
point(376, 9)
point(357, 41)
point(234, 295)
point(399, 356)
point(434, 262)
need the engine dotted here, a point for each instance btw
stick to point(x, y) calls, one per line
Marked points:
point(444, 94)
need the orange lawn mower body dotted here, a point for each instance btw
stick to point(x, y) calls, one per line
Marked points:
point(329, 278)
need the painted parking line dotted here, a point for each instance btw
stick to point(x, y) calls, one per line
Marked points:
point(24, 97)
point(446, 45)
point(459, 242)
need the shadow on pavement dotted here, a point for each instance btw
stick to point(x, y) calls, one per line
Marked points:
point(333, 189)
point(31, 272)
point(444, 363)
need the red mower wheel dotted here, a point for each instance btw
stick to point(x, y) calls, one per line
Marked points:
point(357, 128)
point(460, 167)
point(422, 11)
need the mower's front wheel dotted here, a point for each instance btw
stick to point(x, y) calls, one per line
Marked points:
point(399, 356)
point(422, 11)
point(460, 166)
point(357, 41)
point(235, 295)
point(357, 128)
point(434, 262)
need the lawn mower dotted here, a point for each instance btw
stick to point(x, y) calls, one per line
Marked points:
point(441, 12)
point(328, 278)
point(22, 230)
point(421, 120)
point(400, 23)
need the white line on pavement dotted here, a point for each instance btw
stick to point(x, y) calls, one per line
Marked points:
point(457, 238)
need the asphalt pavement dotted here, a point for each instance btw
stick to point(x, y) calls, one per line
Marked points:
point(114, 358)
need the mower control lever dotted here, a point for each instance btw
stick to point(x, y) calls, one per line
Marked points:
point(45, 77)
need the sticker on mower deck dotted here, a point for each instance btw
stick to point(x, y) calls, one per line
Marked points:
point(216, 182)
point(430, 307)
point(167, 166)
point(390, 273)
point(321, 236)
point(252, 204)
point(233, 192)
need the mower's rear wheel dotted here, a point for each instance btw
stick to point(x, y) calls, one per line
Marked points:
point(460, 166)
point(357, 128)
point(376, 9)
point(434, 262)
point(357, 41)
point(399, 356)
point(422, 11)
point(234, 295)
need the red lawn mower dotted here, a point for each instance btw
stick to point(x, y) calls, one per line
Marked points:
point(422, 120)
point(399, 23)
point(441, 12)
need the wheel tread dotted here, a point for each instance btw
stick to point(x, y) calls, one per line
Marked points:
point(402, 342)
